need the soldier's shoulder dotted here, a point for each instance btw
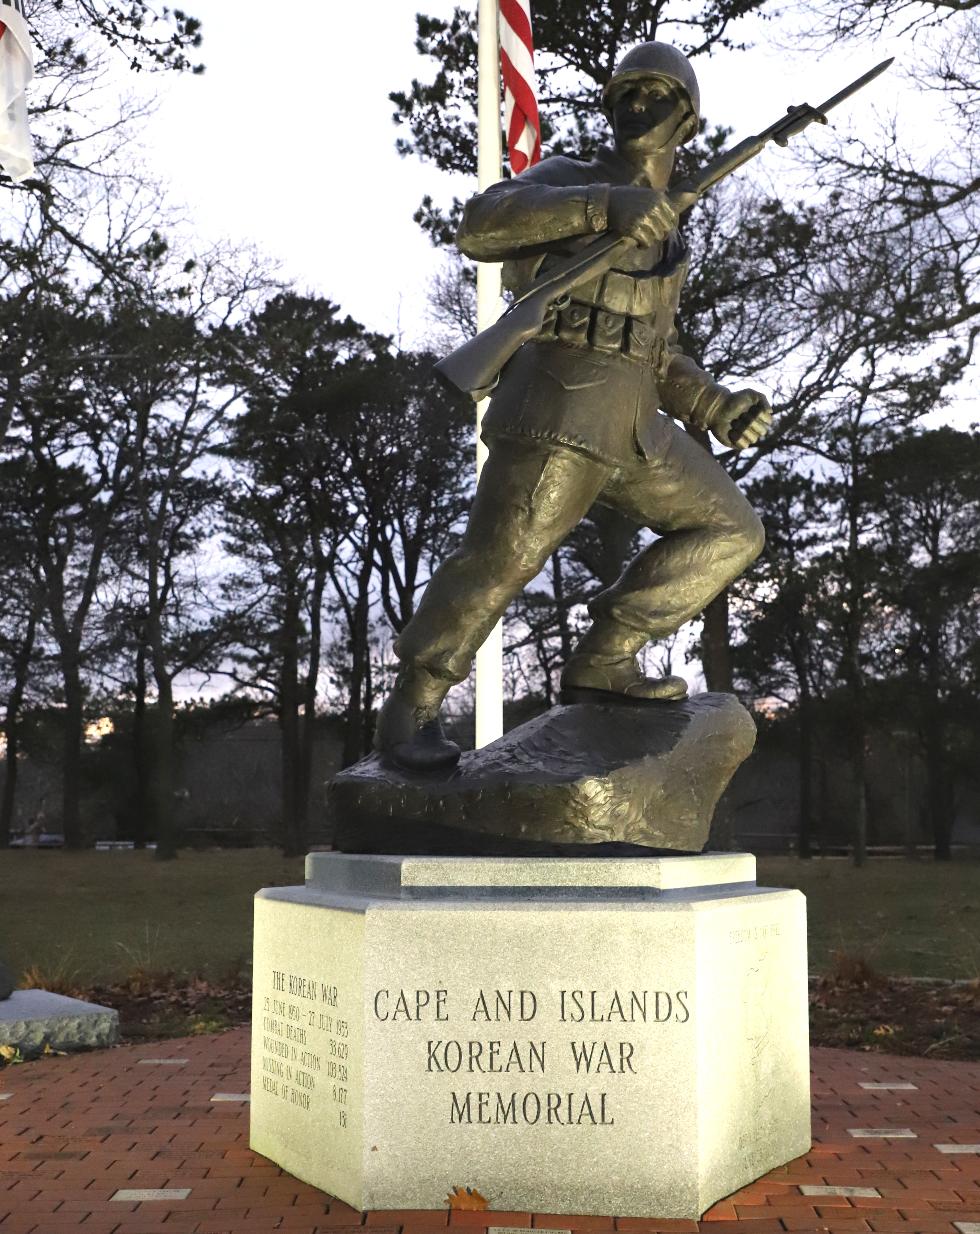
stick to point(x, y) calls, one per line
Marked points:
point(560, 169)
point(569, 160)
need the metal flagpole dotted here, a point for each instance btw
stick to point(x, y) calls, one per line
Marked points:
point(489, 305)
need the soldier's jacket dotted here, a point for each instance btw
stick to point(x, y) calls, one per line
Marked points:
point(607, 361)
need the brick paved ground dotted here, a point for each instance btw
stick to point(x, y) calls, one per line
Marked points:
point(77, 1132)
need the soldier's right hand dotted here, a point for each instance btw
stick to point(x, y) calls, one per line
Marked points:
point(646, 215)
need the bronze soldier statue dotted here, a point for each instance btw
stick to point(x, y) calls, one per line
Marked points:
point(584, 413)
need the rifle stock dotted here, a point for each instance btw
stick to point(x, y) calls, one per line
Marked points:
point(475, 366)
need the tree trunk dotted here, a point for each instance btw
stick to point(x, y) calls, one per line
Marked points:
point(11, 734)
point(561, 606)
point(716, 648)
point(716, 662)
point(162, 776)
point(360, 650)
point(367, 707)
point(859, 838)
point(908, 817)
point(938, 788)
point(141, 806)
point(71, 757)
point(354, 728)
point(804, 843)
point(857, 730)
point(938, 796)
point(823, 796)
point(289, 730)
point(11, 728)
point(304, 770)
point(800, 660)
point(853, 675)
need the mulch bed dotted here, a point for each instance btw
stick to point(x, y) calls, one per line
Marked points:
point(857, 1011)
point(852, 1010)
point(897, 1016)
point(171, 1007)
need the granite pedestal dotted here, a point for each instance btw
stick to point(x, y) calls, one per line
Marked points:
point(569, 1035)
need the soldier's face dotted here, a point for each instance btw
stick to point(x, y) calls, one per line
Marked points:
point(647, 115)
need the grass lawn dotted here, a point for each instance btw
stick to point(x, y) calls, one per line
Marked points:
point(906, 918)
point(94, 918)
point(98, 917)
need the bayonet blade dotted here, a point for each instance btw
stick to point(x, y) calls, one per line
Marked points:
point(855, 86)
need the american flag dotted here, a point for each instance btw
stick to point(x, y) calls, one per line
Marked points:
point(16, 70)
point(521, 121)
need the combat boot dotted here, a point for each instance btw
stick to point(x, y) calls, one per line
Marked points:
point(409, 730)
point(603, 669)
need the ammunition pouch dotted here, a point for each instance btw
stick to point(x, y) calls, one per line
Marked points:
point(597, 329)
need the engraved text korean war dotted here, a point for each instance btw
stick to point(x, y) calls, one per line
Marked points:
point(602, 1027)
point(305, 1043)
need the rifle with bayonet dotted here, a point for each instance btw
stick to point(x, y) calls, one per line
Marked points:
point(475, 366)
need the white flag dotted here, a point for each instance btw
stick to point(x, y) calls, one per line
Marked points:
point(16, 70)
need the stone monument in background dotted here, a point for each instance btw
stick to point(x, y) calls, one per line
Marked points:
point(522, 974)
point(30, 1020)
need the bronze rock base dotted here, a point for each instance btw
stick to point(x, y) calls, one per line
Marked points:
point(586, 779)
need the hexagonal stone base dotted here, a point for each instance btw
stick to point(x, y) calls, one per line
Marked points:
point(566, 1035)
point(31, 1019)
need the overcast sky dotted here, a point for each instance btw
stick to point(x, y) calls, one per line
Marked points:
point(287, 139)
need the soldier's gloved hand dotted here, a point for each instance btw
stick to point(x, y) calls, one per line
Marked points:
point(646, 215)
point(743, 419)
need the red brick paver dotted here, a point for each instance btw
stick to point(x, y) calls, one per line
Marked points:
point(74, 1131)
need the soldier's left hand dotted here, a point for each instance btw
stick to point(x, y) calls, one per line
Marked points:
point(743, 419)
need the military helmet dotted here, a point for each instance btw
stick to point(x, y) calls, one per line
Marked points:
point(657, 60)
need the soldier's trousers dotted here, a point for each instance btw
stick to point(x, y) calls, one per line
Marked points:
point(532, 494)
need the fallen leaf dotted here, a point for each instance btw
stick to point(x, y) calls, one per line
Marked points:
point(467, 1199)
point(884, 1030)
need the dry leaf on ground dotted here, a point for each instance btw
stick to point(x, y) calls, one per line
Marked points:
point(467, 1199)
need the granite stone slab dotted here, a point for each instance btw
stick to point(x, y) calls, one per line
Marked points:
point(380, 875)
point(558, 1050)
point(523, 1229)
point(31, 1019)
point(864, 1193)
point(579, 776)
point(881, 1086)
point(144, 1195)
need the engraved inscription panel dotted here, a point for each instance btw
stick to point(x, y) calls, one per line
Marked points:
point(307, 1042)
point(524, 1057)
point(306, 1045)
